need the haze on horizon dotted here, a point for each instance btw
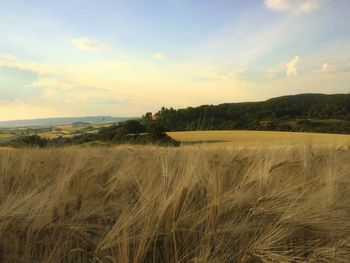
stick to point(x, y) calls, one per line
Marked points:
point(123, 58)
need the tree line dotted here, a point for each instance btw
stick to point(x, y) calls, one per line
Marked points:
point(129, 132)
point(305, 112)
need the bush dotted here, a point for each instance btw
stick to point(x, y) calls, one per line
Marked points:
point(30, 140)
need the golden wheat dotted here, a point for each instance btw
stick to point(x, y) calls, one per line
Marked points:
point(261, 138)
point(191, 204)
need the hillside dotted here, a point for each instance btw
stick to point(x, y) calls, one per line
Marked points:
point(303, 112)
point(63, 120)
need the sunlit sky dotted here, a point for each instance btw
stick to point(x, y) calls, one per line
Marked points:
point(127, 57)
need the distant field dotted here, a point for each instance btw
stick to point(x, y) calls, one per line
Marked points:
point(258, 138)
point(51, 132)
point(5, 135)
point(226, 138)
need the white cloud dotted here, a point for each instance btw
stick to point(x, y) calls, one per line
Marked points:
point(113, 65)
point(8, 57)
point(160, 56)
point(295, 6)
point(89, 45)
point(12, 62)
point(336, 68)
point(325, 67)
point(292, 67)
point(224, 74)
point(52, 82)
point(278, 5)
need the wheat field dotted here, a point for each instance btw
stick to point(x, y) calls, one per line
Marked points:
point(187, 204)
point(261, 138)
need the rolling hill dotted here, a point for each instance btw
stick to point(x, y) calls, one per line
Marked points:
point(63, 120)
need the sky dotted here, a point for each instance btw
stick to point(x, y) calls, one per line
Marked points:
point(62, 58)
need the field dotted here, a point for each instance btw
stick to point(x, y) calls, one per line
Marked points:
point(203, 203)
point(261, 138)
point(229, 138)
point(5, 136)
point(50, 132)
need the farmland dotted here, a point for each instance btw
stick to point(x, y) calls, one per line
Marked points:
point(184, 204)
point(222, 196)
point(260, 138)
point(222, 137)
point(50, 132)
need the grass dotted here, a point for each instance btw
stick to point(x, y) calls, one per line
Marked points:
point(5, 136)
point(187, 204)
point(261, 138)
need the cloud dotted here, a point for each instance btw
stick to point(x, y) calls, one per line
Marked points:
point(8, 57)
point(336, 68)
point(12, 62)
point(89, 45)
point(288, 69)
point(292, 67)
point(52, 82)
point(160, 56)
point(278, 5)
point(295, 6)
point(326, 67)
point(224, 74)
point(113, 65)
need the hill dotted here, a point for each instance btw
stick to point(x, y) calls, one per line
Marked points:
point(63, 120)
point(303, 112)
